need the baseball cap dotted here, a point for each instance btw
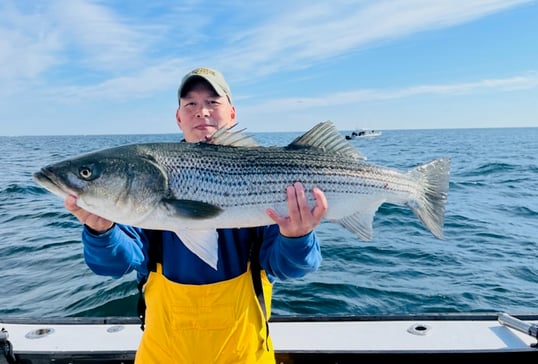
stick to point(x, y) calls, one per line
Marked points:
point(215, 79)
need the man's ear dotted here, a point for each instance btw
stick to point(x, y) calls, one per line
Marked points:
point(232, 115)
point(178, 120)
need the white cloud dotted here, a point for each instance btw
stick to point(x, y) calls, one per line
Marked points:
point(521, 82)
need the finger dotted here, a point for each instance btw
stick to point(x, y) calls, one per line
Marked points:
point(321, 206)
point(95, 222)
point(293, 207)
point(275, 216)
point(302, 201)
point(70, 203)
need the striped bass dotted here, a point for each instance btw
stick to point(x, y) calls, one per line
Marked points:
point(229, 182)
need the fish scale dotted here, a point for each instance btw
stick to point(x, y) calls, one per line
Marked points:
point(241, 181)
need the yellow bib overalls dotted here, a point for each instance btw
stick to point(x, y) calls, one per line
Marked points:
point(203, 324)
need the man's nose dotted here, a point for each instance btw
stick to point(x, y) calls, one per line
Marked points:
point(203, 110)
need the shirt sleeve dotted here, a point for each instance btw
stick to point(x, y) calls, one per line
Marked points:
point(284, 258)
point(116, 252)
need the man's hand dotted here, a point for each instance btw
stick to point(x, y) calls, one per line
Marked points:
point(94, 222)
point(301, 220)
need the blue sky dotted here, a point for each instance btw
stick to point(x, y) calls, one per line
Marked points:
point(113, 67)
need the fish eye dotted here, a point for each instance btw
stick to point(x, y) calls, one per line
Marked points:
point(85, 172)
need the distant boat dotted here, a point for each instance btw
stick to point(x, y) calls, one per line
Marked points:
point(363, 133)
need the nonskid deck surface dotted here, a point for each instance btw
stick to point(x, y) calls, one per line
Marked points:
point(299, 339)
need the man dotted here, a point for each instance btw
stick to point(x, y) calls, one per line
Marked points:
point(196, 314)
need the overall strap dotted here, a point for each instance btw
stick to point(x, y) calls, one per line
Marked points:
point(155, 255)
point(256, 270)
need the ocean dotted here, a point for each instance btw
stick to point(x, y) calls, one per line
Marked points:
point(486, 263)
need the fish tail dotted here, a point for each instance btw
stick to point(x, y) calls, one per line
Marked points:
point(429, 207)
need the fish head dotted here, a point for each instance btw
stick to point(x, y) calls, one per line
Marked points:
point(118, 184)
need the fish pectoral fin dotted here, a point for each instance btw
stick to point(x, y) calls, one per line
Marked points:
point(203, 243)
point(191, 209)
point(360, 223)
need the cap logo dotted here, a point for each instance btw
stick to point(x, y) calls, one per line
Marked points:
point(203, 71)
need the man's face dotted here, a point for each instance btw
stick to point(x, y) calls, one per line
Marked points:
point(202, 112)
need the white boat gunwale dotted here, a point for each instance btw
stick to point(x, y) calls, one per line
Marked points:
point(297, 339)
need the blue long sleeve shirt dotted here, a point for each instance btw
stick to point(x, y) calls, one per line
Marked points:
point(124, 248)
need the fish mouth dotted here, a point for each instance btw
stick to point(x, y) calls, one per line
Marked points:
point(48, 179)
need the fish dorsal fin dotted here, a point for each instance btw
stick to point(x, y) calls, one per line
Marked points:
point(224, 136)
point(325, 136)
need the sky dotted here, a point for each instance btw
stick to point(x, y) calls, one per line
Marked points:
point(77, 67)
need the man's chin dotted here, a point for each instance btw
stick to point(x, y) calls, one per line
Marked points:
point(200, 136)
